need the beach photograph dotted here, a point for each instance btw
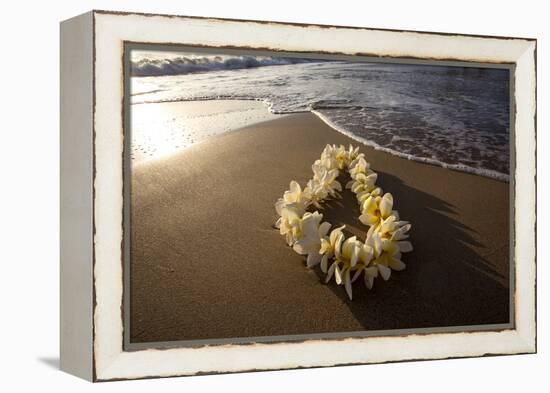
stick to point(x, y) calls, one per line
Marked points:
point(274, 197)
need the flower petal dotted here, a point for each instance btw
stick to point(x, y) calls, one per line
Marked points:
point(401, 233)
point(397, 265)
point(377, 191)
point(279, 206)
point(324, 263)
point(338, 245)
point(388, 224)
point(371, 271)
point(335, 233)
point(376, 243)
point(306, 245)
point(289, 238)
point(348, 246)
point(405, 246)
point(386, 205)
point(295, 187)
point(368, 219)
point(356, 249)
point(365, 254)
point(338, 275)
point(347, 281)
point(313, 259)
point(369, 280)
point(330, 272)
point(385, 272)
point(310, 226)
point(324, 228)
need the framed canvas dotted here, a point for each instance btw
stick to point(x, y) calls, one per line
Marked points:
point(245, 195)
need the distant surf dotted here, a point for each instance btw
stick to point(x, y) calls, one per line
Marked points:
point(182, 65)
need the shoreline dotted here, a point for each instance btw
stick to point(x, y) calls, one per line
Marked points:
point(203, 243)
point(455, 167)
point(250, 104)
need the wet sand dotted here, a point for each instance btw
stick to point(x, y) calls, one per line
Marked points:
point(206, 262)
point(164, 128)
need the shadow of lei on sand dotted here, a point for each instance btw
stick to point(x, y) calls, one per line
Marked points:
point(446, 283)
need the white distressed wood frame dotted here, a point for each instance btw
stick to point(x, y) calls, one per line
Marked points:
point(92, 231)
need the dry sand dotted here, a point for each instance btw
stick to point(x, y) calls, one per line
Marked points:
point(207, 263)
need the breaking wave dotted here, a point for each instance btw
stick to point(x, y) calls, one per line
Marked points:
point(188, 65)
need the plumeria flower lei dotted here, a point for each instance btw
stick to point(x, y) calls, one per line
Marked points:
point(344, 259)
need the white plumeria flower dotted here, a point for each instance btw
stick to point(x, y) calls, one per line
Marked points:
point(386, 226)
point(326, 179)
point(375, 209)
point(281, 204)
point(336, 155)
point(348, 257)
point(294, 198)
point(351, 154)
point(289, 224)
point(351, 249)
point(362, 196)
point(401, 232)
point(391, 228)
point(341, 156)
point(329, 245)
point(375, 242)
point(362, 183)
point(328, 158)
point(328, 162)
point(312, 233)
point(295, 195)
point(359, 165)
point(359, 157)
point(371, 272)
point(388, 255)
point(317, 192)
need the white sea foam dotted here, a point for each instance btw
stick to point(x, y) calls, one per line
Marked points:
point(459, 167)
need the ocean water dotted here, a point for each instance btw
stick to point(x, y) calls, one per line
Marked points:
point(455, 117)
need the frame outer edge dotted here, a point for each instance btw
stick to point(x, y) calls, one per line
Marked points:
point(76, 196)
point(526, 185)
point(123, 365)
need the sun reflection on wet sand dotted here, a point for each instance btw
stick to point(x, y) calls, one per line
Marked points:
point(161, 129)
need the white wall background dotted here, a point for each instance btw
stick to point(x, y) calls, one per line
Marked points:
point(29, 194)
